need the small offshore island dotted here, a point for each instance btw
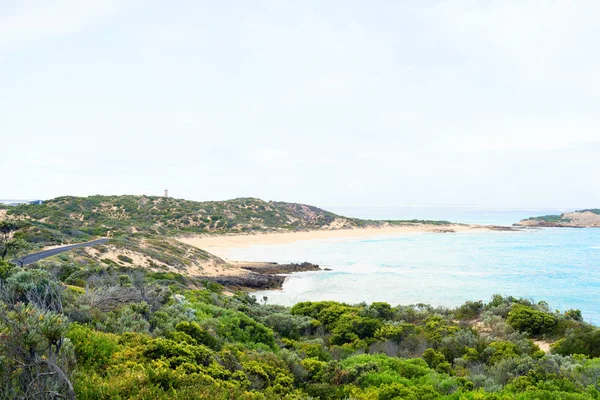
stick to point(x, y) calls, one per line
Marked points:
point(157, 312)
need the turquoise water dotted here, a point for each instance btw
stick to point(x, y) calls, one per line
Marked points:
point(559, 266)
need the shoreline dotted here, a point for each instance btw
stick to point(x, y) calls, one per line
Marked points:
point(222, 245)
point(268, 275)
point(254, 276)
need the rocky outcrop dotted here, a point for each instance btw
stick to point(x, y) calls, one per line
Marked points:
point(275, 268)
point(502, 228)
point(260, 275)
point(575, 219)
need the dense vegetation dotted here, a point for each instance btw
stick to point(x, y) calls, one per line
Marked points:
point(592, 210)
point(93, 216)
point(550, 218)
point(89, 326)
point(143, 229)
point(67, 219)
point(115, 332)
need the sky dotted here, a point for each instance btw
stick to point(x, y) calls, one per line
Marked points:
point(347, 103)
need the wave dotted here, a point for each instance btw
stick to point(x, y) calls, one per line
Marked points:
point(362, 268)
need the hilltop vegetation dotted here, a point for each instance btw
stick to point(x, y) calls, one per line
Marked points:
point(577, 219)
point(92, 216)
point(136, 334)
point(143, 228)
point(79, 218)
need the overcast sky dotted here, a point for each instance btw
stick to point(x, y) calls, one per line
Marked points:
point(324, 102)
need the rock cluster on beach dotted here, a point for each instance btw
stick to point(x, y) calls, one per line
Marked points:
point(261, 275)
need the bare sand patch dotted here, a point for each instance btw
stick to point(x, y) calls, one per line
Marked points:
point(585, 218)
point(544, 346)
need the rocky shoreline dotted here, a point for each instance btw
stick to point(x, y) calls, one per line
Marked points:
point(261, 275)
point(501, 228)
point(576, 219)
point(498, 228)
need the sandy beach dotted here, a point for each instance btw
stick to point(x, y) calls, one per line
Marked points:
point(222, 245)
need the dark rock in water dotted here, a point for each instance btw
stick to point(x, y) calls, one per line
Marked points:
point(275, 268)
point(327, 269)
point(260, 275)
point(503, 228)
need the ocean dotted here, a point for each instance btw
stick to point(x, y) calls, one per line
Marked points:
point(558, 265)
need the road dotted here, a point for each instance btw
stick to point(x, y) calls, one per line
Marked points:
point(31, 258)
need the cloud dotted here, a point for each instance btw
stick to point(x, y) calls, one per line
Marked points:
point(32, 20)
point(269, 157)
point(396, 102)
point(540, 39)
point(522, 134)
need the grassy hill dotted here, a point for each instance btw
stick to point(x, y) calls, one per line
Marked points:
point(143, 229)
point(80, 218)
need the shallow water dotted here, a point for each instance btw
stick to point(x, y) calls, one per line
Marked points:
point(559, 266)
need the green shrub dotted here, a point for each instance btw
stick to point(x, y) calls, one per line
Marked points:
point(177, 352)
point(199, 334)
point(125, 259)
point(6, 270)
point(125, 280)
point(433, 358)
point(381, 310)
point(584, 341)
point(533, 322)
point(498, 351)
point(287, 325)
point(93, 349)
point(108, 261)
point(574, 315)
point(395, 332)
point(469, 310)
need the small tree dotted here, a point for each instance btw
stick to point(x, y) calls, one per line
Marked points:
point(6, 270)
point(533, 322)
point(7, 229)
point(19, 249)
point(33, 352)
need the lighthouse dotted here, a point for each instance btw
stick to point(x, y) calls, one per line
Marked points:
point(166, 193)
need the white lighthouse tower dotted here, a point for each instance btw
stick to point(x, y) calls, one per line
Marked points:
point(166, 193)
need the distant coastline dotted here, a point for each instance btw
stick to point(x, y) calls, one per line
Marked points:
point(577, 219)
